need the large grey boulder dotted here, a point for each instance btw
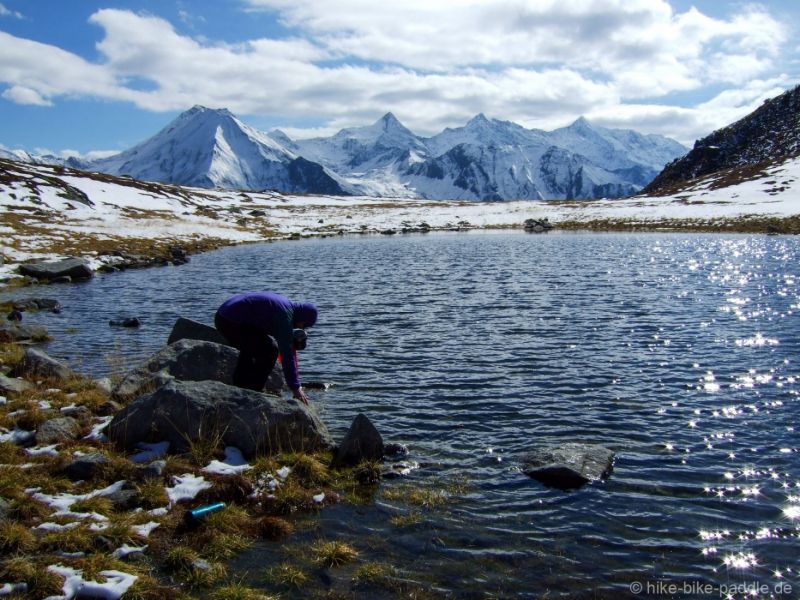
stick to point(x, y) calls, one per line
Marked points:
point(75, 268)
point(193, 330)
point(569, 466)
point(362, 442)
point(186, 360)
point(182, 412)
point(39, 364)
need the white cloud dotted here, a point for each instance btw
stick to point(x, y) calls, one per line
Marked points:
point(23, 95)
point(5, 12)
point(434, 64)
point(689, 124)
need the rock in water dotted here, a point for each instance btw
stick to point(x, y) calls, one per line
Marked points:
point(182, 412)
point(569, 466)
point(362, 442)
point(75, 268)
point(193, 330)
point(131, 322)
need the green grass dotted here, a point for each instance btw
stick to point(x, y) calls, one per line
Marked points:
point(286, 575)
point(332, 554)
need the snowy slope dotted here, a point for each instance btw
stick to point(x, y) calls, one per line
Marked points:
point(47, 211)
point(212, 148)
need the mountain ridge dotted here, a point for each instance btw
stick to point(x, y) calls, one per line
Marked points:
point(486, 159)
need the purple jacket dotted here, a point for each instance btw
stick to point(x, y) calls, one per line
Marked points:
point(276, 315)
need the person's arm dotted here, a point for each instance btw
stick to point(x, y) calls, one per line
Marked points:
point(289, 364)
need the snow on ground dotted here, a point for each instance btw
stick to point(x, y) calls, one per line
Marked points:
point(42, 208)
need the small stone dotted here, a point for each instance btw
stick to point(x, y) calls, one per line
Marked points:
point(13, 385)
point(155, 470)
point(86, 467)
point(395, 450)
point(56, 431)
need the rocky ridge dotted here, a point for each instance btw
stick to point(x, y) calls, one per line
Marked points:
point(770, 135)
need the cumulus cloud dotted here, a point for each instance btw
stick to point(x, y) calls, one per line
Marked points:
point(434, 64)
point(20, 94)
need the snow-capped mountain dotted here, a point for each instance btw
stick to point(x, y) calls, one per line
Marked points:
point(492, 159)
point(767, 136)
point(489, 159)
point(213, 149)
point(486, 159)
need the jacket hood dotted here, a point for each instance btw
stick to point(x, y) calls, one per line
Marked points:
point(305, 312)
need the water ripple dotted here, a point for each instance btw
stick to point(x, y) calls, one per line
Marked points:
point(676, 351)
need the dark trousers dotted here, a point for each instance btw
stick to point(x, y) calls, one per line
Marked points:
point(258, 352)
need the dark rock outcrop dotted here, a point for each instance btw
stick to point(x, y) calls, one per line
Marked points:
point(569, 466)
point(537, 225)
point(362, 442)
point(183, 412)
point(74, 268)
point(36, 304)
point(129, 322)
point(767, 135)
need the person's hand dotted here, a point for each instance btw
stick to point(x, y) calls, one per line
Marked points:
point(300, 395)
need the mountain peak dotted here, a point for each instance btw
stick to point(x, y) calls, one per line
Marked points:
point(200, 110)
point(389, 121)
point(479, 119)
point(581, 124)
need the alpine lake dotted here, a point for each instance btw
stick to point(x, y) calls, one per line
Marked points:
point(680, 352)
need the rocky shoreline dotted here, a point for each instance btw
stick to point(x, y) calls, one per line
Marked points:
point(148, 485)
point(77, 269)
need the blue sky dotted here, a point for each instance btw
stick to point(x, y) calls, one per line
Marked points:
point(90, 76)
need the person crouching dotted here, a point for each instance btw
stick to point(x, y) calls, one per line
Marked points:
point(261, 326)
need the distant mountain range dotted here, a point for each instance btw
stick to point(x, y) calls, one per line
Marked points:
point(487, 159)
point(769, 135)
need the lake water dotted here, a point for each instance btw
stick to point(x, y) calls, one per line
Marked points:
point(677, 351)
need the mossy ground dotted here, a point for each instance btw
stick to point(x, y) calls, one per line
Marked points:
point(180, 559)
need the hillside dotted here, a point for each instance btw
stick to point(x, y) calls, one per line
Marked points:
point(768, 136)
point(48, 212)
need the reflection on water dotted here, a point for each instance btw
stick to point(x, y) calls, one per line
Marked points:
point(677, 351)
